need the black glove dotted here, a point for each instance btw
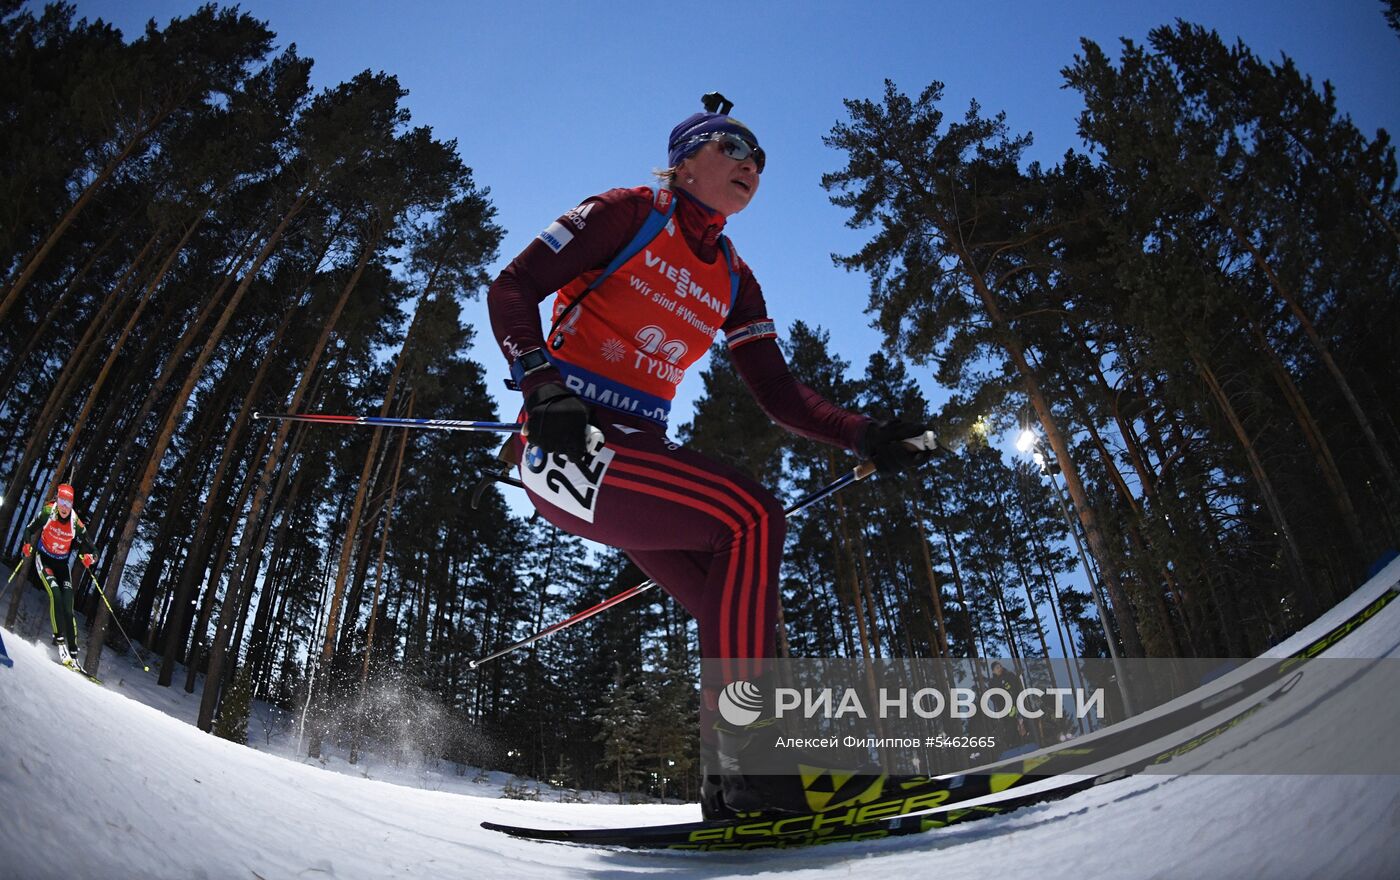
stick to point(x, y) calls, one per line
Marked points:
point(883, 444)
point(557, 420)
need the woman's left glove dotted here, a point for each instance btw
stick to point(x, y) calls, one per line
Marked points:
point(88, 559)
point(884, 443)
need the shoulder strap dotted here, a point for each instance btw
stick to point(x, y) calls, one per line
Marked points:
point(663, 206)
point(725, 249)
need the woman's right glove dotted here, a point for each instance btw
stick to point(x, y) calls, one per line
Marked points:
point(884, 444)
point(557, 420)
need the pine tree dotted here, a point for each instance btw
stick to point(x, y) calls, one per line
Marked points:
point(621, 723)
point(235, 709)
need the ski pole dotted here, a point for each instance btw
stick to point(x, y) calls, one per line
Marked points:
point(486, 480)
point(18, 565)
point(595, 436)
point(567, 622)
point(145, 667)
point(927, 442)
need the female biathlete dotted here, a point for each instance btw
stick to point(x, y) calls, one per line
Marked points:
point(58, 529)
point(643, 281)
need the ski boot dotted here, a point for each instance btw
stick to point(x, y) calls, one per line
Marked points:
point(745, 777)
point(748, 792)
point(712, 806)
point(69, 658)
point(725, 796)
point(733, 795)
point(64, 657)
point(730, 789)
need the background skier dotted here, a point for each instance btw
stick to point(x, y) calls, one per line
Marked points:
point(58, 529)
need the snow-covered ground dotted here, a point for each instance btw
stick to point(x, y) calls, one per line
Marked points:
point(114, 781)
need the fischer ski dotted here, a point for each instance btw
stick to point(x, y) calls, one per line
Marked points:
point(914, 805)
point(815, 829)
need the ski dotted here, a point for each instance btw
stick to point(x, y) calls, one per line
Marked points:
point(915, 805)
point(5, 659)
point(816, 829)
point(81, 671)
point(69, 661)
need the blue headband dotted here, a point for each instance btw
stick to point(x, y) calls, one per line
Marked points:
point(690, 135)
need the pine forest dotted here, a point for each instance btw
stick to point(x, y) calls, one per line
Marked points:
point(1193, 313)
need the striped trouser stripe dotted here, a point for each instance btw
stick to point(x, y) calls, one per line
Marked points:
point(742, 608)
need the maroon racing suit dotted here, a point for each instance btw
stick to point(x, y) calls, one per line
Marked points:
point(709, 535)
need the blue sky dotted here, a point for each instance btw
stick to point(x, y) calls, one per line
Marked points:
point(551, 102)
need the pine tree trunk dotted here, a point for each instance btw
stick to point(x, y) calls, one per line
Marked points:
point(199, 551)
point(992, 575)
point(75, 367)
point(178, 637)
point(1047, 574)
point(111, 360)
point(269, 618)
point(868, 603)
point(1132, 528)
point(1261, 480)
point(347, 546)
point(378, 581)
point(1146, 478)
point(1312, 434)
point(420, 621)
point(841, 609)
point(359, 561)
point(193, 474)
point(163, 438)
point(878, 593)
point(114, 417)
point(1196, 510)
point(950, 547)
point(163, 550)
point(857, 597)
point(1088, 518)
point(207, 704)
point(935, 592)
point(1363, 421)
point(373, 464)
point(85, 198)
point(175, 359)
point(60, 307)
point(279, 552)
point(236, 597)
point(1019, 562)
point(277, 625)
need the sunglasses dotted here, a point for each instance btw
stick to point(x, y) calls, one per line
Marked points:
point(736, 148)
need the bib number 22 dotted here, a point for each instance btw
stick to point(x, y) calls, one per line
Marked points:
point(572, 486)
